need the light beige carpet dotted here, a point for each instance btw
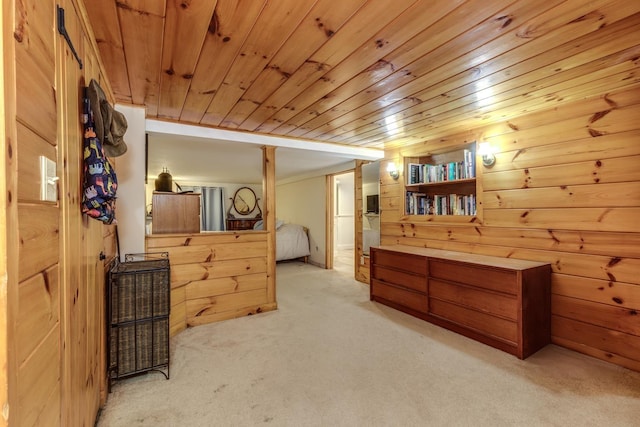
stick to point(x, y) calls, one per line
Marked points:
point(330, 357)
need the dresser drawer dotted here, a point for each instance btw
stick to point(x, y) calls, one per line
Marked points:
point(487, 324)
point(400, 261)
point(492, 278)
point(409, 299)
point(400, 278)
point(488, 302)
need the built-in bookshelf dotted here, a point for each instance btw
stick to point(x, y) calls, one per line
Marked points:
point(442, 183)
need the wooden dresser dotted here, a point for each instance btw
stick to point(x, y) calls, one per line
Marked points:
point(241, 223)
point(175, 212)
point(502, 302)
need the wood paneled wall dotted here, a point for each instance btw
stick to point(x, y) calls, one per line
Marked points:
point(565, 189)
point(55, 277)
point(215, 276)
point(361, 262)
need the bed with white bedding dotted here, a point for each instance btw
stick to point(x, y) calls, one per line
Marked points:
point(292, 242)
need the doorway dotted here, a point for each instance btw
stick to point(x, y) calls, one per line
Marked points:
point(343, 222)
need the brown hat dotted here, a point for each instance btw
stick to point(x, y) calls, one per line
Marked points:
point(110, 125)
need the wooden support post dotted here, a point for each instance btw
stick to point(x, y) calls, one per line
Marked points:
point(9, 239)
point(269, 215)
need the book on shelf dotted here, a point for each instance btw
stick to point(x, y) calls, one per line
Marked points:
point(440, 204)
point(417, 203)
point(425, 173)
point(469, 164)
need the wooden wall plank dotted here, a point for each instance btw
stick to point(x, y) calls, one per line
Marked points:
point(599, 219)
point(178, 314)
point(603, 315)
point(35, 34)
point(566, 196)
point(597, 352)
point(618, 294)
point(34, 59)
point(225, 285)
point(617, 169)
point(157, 242)
point(561, 124)
point(589, 149)
point(588, 242)
point(222, 303)
point(231, 314)
point(181, 274)
point(50, 413)
point(39, 238)
point(34, 87)
point(607, 340)
point(38, 311)
point(197, 254)
point(39, 379)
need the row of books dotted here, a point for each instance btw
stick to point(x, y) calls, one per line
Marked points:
point(449, 204)
point(419, 173)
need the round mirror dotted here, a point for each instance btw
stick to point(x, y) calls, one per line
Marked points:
point(244, 201)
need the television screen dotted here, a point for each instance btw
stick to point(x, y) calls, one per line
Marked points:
point(372, 203)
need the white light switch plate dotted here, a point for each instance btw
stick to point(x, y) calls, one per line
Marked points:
point(48, 180)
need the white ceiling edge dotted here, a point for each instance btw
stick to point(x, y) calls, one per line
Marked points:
point(342, 167)
point(351, 152)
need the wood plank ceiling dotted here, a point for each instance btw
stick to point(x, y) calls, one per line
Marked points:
point(363, 73)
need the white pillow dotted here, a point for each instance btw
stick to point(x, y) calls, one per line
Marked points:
point(259, 225)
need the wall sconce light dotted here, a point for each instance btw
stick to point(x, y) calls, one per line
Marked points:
point(488, 158)
point(393, 171)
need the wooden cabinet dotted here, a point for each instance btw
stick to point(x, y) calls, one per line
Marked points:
point(502, 302)
point(241, 223)
point(399, 279)
point(175, 213)
point(441, 183)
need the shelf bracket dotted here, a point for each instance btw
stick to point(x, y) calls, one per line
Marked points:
point(62, 30)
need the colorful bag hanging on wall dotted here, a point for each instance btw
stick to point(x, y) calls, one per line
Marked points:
point(100, 181)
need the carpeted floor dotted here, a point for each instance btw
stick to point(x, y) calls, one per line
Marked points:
point(330, 357)
point(343, 261)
